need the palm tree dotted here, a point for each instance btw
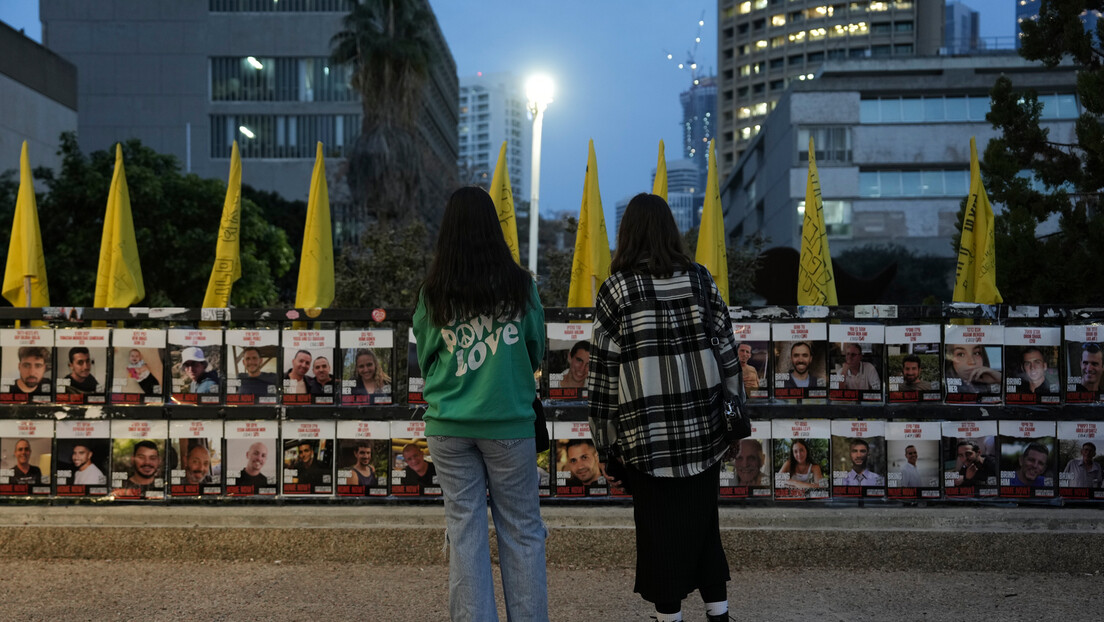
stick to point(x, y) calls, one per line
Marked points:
point(390, 47)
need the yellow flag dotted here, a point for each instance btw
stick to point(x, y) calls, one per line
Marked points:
point(591, 265)
point(711, 251)
point(976, 273)
point(119, 275)
point(659, 185)
point(816, 284)
point(503, 197)
point(315, 289)
point(227, 268)
point(25, 274)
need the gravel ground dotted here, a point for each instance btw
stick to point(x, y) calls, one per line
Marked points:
point(74, 590)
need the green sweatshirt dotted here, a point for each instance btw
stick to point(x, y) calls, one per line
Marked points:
point(479, 373)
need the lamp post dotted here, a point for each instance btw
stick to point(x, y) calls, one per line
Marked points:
point(538, 90)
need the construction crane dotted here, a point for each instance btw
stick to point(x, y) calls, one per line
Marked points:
point(690, 63)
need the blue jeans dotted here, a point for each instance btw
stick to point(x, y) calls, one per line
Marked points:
point(467, 468)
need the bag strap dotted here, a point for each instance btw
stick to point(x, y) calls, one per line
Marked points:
point(714, 340)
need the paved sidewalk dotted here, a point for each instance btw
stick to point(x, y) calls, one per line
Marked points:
point(955, 538)
point(284, 590)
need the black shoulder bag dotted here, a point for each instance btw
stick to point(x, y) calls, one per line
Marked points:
point(737, 422)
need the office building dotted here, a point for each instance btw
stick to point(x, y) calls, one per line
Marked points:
point(493, 109)
point(892, 139)
point(188, 77)
point(39, 93)
point(960, 32)
point(699, 114)
point(765, 45)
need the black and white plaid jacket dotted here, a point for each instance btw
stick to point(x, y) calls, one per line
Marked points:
point(654, 382)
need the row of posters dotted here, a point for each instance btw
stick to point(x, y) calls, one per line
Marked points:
point(782, 460)
point(954, 364)
point(186, 366)
point(846, 363)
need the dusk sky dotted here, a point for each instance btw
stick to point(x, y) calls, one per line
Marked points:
point(608, 60)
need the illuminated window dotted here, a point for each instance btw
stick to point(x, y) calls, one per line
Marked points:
point(778, 20)
point(837, 217)
point(759, 109)
point(778, 42)
point(833, 144)
point(745, 8)
point(760, 4)
point(745, 133)
point(761, 44)
point(818, 33)
point(797, 36)
point(743, 113)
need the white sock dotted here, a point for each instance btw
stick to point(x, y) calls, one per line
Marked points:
point(717, 608)
point(669, 617)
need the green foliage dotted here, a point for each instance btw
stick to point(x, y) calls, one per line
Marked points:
point(919, 277)
point(743, 263)
point(387, 268)
point(1055, 268)
point(176, 220)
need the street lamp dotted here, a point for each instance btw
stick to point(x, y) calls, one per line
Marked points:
point(538, 90)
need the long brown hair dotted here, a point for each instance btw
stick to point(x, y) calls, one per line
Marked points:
point(473, 272)
point(648, 239)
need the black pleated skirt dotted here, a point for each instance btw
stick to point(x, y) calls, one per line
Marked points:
point(678, 537)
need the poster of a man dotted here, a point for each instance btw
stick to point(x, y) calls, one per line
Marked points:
point(27, 374)
point(137, 458)
point(362, 458)
point(1085, 361)
point(83, 458)
point(912, 449)
point(251, 458)
point(754, 351)
point(84, 351)
point(197, 454)
point(253, 377)
point(308, 457)
point(197, 366)
point(1080, 444)
point(568, 359)
point(1028, 462)
point(25, 453)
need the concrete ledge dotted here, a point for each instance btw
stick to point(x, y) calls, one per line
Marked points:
point(960, 538)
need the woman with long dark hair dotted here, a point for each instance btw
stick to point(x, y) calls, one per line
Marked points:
point(655, 406)
point(800, 469)
point(480, 331)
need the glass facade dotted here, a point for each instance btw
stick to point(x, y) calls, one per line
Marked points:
point(278, 6)
point(273, 136)
point(280, 79)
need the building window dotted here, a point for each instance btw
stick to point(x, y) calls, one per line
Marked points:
point(926, 109)
point(922, 183)
point(902, 49)
point(279, 79)
point(879, 51)
point(290, 137)
point(285, 6)
point(837, 217)
point(902, 27)
point(833, 144)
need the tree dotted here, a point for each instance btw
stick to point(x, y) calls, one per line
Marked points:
point(920, 279)
point(176, 220)
point(1066, 181)
point(386, 270)
point(392, 175)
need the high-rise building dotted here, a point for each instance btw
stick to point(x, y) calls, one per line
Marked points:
point(685, 192)
point(764, 45)
point(960, 32)
point(699, 114)
point(39, 91)
point(493, 108)
point(188, 77)
point(892, 140)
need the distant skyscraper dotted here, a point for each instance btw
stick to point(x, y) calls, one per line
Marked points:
point(960, 35)
point(493, 108)
point(699, 111)
point(765, 45)
point(685, 192)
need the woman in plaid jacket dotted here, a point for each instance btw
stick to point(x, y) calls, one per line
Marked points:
point(655, 400)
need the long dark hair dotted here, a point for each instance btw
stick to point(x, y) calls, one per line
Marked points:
point(648, 239)
point(473, 272)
